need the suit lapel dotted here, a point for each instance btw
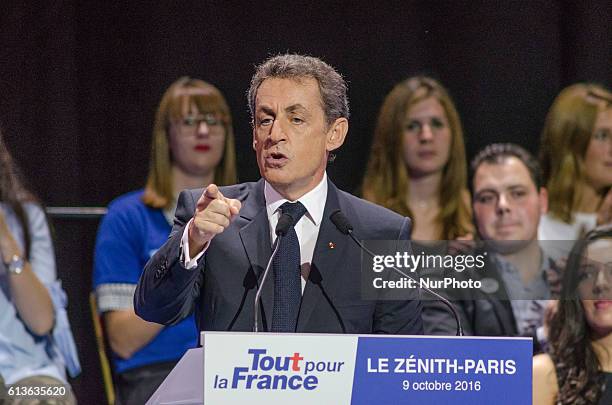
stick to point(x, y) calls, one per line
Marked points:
point(501, 302)
point(326, 259)
point(255, 237)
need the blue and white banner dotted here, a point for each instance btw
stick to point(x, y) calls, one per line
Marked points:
point(323, 369)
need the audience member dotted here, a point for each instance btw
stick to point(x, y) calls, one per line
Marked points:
point(193, 146)
point(576, 158)
point(508, 201)
point(36, 343)
point(417, 166)
point(578, 368)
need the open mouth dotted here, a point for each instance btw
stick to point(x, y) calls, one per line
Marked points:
point(602, 304)
point(275, 159)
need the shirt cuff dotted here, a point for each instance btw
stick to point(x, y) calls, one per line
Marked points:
point(187, 261)
point(115, 296)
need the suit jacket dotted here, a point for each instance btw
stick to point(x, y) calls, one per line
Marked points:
point(481, 314)
point(221, 289)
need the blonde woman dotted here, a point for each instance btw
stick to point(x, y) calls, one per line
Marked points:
point(417, 166)
point(193, 146)
point(576, 158)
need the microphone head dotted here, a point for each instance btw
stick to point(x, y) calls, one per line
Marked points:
point(341, 222)
point(284, 223)
point(250, 279)
point(315, 275)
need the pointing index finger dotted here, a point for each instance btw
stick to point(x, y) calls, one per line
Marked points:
point(210, 193)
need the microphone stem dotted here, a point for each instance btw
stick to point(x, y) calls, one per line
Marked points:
point(261, 284)
point(435, 294)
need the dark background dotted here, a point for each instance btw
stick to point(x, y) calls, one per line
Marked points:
point(80, 81)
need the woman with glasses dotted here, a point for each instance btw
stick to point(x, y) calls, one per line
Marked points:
point(578, 368)
point(417, 166)
point(576, 158)
point(193, 146)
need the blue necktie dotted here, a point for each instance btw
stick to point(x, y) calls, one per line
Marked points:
point(287, 274)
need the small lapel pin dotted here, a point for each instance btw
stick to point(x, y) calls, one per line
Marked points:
point(331, 245)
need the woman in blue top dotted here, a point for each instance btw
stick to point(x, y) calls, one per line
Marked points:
point(193, 145)
point(36, 344)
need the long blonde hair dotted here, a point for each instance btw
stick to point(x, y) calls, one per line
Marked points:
point(159, 191)
point(565, 138)
point(386, 181)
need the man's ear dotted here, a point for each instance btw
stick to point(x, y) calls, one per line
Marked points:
point(543, 200)
point(254, 139)
point(336, 134)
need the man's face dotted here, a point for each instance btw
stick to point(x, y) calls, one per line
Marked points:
point(507, 205)
point(290, 135)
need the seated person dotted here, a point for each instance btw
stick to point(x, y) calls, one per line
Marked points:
point(578, 367)
point(417, 166)
point(508, 201)
point(192, 146)
point(575, 151)
point(36, 344)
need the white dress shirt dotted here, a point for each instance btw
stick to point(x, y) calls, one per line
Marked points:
point(307, 228)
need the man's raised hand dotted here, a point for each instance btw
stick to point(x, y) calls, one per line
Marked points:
point(213, 214)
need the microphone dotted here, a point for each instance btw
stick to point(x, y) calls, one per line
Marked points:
point(282, 227)
point(316, 278)
point(345, 227)
point(248, 282)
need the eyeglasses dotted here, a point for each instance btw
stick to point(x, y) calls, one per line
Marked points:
point(589, 273)
point(193, 122)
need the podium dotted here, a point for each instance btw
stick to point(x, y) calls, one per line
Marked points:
point(271, 368)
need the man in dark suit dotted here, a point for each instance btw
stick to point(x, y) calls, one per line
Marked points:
point(221, 240)
point(508, 200)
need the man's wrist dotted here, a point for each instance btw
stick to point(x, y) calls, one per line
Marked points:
point(188, 256)
point(195, 243)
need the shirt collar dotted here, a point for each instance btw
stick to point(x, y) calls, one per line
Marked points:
point(507, 267)
point(313, 201)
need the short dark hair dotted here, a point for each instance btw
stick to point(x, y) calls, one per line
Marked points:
point(497, 152)
point(332, 86)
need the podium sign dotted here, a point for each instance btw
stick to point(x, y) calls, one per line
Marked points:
point(267, 368)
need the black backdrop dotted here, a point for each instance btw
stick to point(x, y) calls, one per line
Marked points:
point(79, 82)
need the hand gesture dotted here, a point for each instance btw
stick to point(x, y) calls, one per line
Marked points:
point(212, 216)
